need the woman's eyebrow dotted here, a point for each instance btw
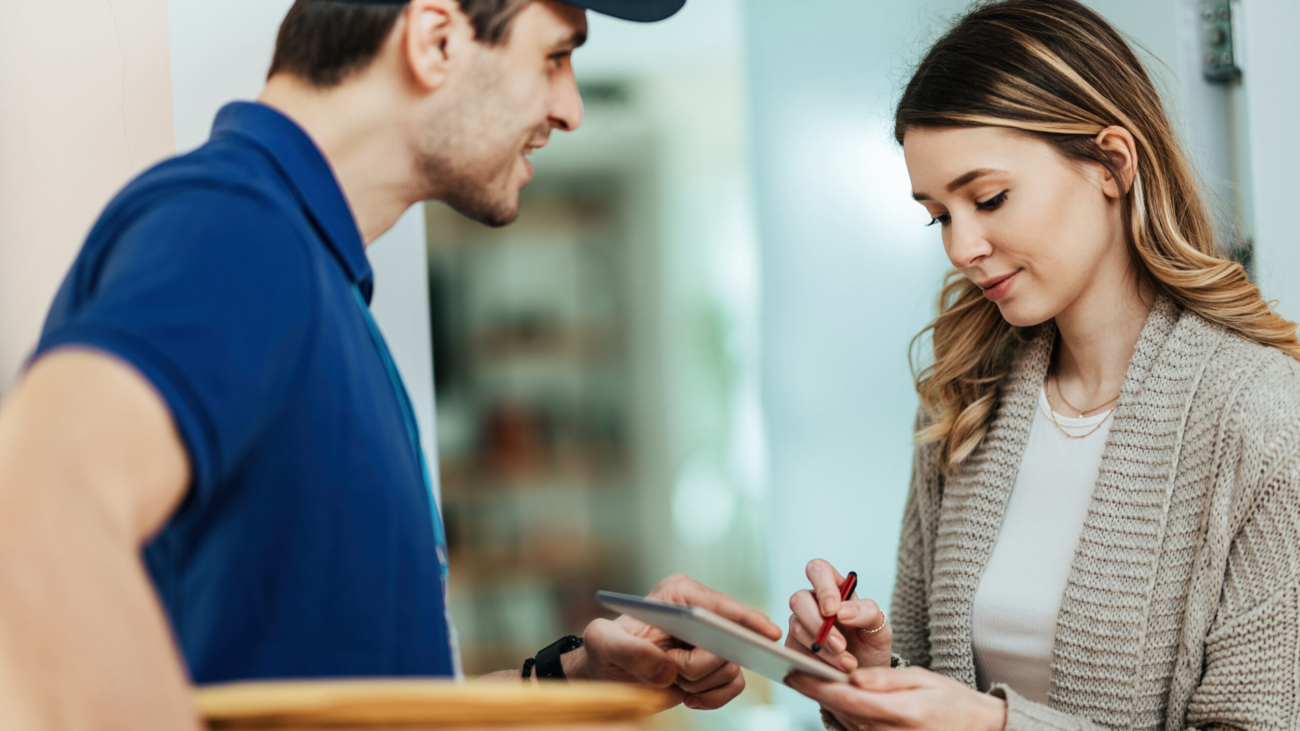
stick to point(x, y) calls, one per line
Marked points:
point(960, 182)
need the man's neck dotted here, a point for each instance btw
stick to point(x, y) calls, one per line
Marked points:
point(360, 133)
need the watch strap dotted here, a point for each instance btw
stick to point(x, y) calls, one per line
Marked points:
point(548, 665)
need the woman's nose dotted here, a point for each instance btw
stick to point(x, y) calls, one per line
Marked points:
point(967, 244)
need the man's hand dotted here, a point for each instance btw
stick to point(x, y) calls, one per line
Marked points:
point(629, 650)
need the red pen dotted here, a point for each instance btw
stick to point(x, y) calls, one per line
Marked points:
point(846, 591)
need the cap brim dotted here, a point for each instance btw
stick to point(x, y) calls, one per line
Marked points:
point(642, 11)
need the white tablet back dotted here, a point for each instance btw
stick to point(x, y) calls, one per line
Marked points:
point(722, 637)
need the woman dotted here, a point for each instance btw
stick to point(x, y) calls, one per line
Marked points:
point(1103, 527)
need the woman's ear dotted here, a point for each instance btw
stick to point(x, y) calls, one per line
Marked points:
point(1119, 145)
point(437, 34)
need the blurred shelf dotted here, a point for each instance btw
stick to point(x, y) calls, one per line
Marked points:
point(586, 469)
point(543, 342)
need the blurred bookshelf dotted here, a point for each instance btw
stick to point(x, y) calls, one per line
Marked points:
point(533, 339)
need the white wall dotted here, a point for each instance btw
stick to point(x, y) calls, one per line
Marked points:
point(85, 104)
point(220, 52)
point(1272, 84)
point(850, 273)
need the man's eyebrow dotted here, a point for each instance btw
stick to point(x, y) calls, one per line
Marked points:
point(960, 182)
point(575, 41)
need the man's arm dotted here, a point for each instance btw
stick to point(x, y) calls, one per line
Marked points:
point(90, 467)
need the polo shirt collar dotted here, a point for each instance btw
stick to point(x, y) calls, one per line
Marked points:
point(307, 173)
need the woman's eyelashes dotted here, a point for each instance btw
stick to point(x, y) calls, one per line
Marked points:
point(992, 204)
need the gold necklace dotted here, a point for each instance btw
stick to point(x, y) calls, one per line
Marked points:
point(1082, 412)
point(1061, 429)
point(1067, 434)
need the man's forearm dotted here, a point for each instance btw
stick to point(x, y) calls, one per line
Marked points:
point(83, 643)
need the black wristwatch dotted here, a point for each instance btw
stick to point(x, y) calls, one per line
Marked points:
point(547, 662)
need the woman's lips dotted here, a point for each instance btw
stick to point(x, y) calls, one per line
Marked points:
point(1000, 288)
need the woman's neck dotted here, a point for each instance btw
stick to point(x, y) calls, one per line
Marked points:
point(1098, 334)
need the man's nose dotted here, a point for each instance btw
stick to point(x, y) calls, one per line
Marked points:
point(566, 110)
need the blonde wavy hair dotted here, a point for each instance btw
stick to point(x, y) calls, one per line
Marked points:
point(1056, 70)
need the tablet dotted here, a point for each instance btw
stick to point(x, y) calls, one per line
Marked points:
point(722, 637)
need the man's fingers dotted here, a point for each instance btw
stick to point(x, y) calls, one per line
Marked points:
point(717, 697)
point(826, 586)
point(716, 679)
point(694, 664)
point(686, 590)
point(636, 656)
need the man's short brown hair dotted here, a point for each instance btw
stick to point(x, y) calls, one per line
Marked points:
point(324, 42)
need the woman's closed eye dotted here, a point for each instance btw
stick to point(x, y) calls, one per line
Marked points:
point(992, 204)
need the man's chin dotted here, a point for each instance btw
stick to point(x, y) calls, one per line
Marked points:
point(489, 213)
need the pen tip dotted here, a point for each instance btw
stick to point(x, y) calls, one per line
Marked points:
point(816, 647)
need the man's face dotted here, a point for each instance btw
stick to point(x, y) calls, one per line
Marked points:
point(474, 151)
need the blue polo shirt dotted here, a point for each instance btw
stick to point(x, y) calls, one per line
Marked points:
point(235, 280)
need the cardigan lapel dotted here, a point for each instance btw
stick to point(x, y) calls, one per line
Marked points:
point(974, 501)
point(1102, 629)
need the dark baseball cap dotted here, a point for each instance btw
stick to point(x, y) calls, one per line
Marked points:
point(642, 11)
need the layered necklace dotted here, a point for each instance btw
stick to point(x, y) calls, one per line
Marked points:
point(1082, 412)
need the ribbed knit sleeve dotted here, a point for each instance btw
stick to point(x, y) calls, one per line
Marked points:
point(1252, 652)
point(909, 610)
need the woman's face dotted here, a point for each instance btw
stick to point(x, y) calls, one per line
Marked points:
point(1036, 232)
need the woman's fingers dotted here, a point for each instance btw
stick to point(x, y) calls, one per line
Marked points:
point(810, 617)
point(802, 639)
point(826, 586)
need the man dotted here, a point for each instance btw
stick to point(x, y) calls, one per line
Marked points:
point(210, 386)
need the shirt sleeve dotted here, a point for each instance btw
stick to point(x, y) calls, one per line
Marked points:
point(209, 296)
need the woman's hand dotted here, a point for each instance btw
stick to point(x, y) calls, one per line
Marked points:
point(861, 636)
point(911, 699)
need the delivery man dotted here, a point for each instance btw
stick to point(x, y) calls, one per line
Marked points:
point(211, 390)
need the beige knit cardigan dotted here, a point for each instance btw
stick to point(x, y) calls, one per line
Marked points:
point(1182, 609)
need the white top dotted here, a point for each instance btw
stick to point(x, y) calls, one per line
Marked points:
point(1019, 596)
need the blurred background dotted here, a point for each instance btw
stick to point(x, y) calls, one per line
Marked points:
point(690, 353)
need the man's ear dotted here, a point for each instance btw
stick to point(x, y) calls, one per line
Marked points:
point(438, 35)
point(1119, 145)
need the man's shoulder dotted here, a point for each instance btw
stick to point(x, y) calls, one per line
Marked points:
point(219, 169)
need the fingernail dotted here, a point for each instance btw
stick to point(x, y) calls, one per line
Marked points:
point(692, 703)
point(826, 608)
point(848, 612)
point(836, 644)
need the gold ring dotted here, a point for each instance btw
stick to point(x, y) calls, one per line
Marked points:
point(884, 620)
